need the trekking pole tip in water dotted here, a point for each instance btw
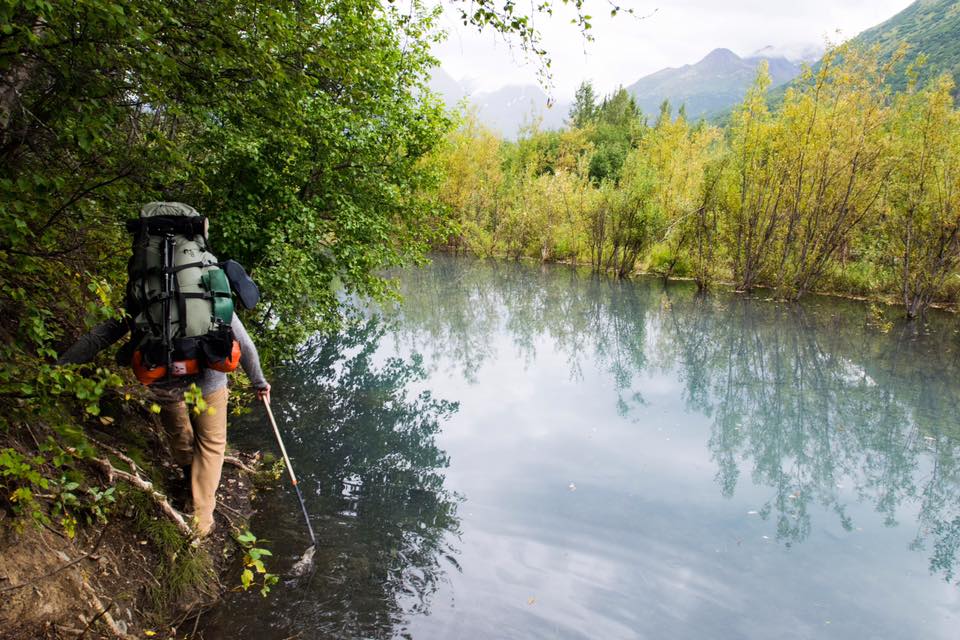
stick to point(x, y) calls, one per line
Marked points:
point(286, 460)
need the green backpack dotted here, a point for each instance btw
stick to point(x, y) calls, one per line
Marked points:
point(178, 297)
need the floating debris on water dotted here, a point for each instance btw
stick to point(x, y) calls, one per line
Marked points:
point(304, 563)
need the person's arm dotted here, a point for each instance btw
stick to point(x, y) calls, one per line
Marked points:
point(250, 359)
point(89, 345)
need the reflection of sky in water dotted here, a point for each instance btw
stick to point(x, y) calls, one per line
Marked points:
point(644, 544)
point(623, 454)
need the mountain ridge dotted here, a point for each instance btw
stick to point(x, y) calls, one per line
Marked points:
point(709, 86)
point(506, 109)
point(714, 83)
point(712, 86)
point(928, 27)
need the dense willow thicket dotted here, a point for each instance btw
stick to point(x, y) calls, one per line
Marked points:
point(843, 187)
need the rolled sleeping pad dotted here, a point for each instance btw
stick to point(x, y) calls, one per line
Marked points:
point(242, 284)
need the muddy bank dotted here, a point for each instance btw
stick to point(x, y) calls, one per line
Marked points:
point(134, 575)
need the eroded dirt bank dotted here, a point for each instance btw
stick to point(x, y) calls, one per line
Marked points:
point(132, 574)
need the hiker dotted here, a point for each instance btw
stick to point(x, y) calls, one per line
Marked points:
point(184, 331)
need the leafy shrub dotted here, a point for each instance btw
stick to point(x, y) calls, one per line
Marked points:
point(663, 260)
point(253, 565)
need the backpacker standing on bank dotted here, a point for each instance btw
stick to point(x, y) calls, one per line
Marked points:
point(183, 331)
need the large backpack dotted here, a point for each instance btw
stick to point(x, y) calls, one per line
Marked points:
point(178, 297)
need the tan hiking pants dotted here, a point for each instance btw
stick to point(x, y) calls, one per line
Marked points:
point(200, 441)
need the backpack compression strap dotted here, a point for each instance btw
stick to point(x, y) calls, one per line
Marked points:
point(160, 225)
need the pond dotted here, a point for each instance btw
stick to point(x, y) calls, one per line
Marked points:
point(521, 451)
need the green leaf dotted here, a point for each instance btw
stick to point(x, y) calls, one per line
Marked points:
point(246, 537)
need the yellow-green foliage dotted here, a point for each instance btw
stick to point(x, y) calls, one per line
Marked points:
point(473, 180)
point(544, 197)
point(52, 487)
point(253, 565)
point(809, 176)
point(842, 187)
point(923, 205)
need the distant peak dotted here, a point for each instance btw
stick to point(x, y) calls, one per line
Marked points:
point(720, 55)
point(794, 52)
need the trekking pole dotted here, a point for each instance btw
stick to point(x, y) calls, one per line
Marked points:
point(293, 478)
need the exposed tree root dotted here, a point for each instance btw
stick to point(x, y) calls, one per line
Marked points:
point(236, 462)
point(120, 454)
point(103, 613)
point(147, 487)
point(233, 516)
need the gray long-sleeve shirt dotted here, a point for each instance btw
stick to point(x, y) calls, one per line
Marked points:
point(108, 332)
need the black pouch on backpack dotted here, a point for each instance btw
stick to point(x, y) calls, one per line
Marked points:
point(217, 345)
point(242, 284)
point(159, 225)
point(186, 348)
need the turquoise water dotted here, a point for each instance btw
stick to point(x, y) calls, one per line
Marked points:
point(529, 452)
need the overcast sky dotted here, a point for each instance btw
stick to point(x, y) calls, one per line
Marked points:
point(677, 32)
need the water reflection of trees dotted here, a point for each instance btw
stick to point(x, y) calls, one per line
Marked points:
point(808, 398)
point(805, 417)
point(459, 307)
point(815, 404)
point(375, 480)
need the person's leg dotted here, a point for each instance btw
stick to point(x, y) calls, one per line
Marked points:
point(210, 443)
point(176, 424)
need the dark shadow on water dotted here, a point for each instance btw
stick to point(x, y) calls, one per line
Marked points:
point(364, 449)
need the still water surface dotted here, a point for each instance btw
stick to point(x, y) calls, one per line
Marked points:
point(527, 452)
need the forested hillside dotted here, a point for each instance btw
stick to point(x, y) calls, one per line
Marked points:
point(930, 28)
